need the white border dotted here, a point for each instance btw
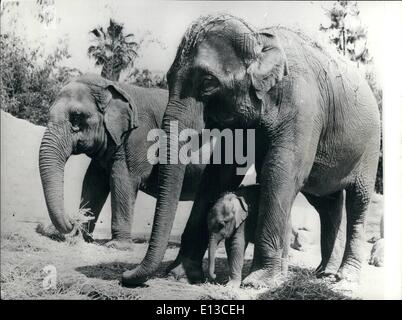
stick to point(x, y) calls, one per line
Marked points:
point(392, 121)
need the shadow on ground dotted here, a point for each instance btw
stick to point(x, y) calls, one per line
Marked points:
point(114, 270)
point(106, 271)
point(138, 240)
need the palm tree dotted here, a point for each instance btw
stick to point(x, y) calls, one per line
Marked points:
point(113, 50)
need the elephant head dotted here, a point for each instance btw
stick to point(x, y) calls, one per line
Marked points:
point(221, 72)
point(227, 214)
point(90, 115)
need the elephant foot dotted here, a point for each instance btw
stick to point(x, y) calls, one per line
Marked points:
point(263, 278)
point(185, 268)
point(119, 244)
point(349, 273)
point(327, 276)
point(131, 278)
point(319, 269)
point(325, 273)
point(377, 254)
point(176, 272)
point(233, 284)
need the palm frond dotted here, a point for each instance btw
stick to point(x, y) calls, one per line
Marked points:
point(114, 29)
point(113, 49)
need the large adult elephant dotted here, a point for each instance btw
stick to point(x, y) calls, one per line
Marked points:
point(317, 129)
point(109, 122)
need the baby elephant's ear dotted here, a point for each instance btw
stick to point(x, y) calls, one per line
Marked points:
point(270, 65)
point(242, 212)
point(120, 113)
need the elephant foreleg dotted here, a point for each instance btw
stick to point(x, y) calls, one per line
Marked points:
point(95, 190)
point(235, 248)
point(282, 175)
point(333, 231)
point(123, 195)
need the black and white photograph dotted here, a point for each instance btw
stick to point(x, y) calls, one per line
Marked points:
point(201, 150)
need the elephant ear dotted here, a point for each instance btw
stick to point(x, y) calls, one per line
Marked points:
point(242, 213)
point(270, 65)
point(117, 106)
point(120, 114)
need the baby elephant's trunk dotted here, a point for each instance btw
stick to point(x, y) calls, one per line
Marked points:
point(213, 244)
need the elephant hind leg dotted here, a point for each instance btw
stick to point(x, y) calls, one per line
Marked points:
point(357, 203)
point(333, 231)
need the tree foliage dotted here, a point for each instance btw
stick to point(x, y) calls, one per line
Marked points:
point(146, 78)
point(113, 50)
point(30, 80)
point(346, 31)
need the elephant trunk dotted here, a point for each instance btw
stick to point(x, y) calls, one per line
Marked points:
point(171, 177)
point(55, 149)
point(213, 245)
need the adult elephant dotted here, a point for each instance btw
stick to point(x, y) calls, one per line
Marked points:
point(109, 122)
point(317, 130)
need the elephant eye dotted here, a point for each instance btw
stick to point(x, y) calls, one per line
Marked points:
point(209, 84)
point(75, 120)
point(221, 225)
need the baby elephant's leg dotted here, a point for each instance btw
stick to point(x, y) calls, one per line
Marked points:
point(235, 247)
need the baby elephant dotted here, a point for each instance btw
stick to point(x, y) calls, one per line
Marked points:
point(233, 218)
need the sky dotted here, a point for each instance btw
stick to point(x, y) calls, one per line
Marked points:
point(168, 20)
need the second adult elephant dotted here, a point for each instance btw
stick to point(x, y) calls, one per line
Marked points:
point(109, 122)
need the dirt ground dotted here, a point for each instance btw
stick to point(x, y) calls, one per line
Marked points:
point(92, 271)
